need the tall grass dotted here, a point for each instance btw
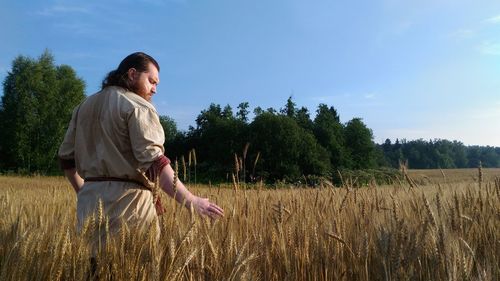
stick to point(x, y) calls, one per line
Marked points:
point(444, 231)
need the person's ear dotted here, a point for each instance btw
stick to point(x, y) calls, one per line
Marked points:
point(131, 74)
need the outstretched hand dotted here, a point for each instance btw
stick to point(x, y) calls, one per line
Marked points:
point(204, 207)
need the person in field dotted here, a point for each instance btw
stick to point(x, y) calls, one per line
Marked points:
point(113, 153)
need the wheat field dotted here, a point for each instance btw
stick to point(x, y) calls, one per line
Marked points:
point(445, 230)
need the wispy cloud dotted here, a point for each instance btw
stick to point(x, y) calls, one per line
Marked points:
point(344, 96)
point(153, 2)
point(493, 20)
point(60, 9)
point(323, 98)
point(163, 2)
point(463, 33)
point(370, 96)
point(77, 55)
point(330, 98)
point(489, 48)
point(77, 28)
point(487, 113)
point(403, 26)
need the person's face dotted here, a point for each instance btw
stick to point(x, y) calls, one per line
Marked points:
point(144, 83)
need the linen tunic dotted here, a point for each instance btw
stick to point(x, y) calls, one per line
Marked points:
point(115, 133)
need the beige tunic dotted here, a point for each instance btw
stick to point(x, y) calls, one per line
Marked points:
point(114, 133)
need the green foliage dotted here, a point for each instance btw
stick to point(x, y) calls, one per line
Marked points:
point(218, 136)
point(292, 147)
point(392, 153)
point(243, 112)
point(303, 118)
point(287, 150)
point(360, 178)
point(290, 110)
point(359, 144)
point(36, 107)
point(258, 111)
point(488, 155)
point(169, 128)
point(437, 153)
point(329, 133)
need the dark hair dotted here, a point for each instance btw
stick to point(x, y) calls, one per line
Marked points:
point(118, 77)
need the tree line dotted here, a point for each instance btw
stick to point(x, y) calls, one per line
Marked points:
point(277, 144)
point(438, 153)
point(289, 144)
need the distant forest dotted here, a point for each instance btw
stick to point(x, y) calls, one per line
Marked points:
point(438, 153)
point(288, 144)
point(277, 144)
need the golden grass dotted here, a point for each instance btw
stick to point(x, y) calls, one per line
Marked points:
point(441, 231)
point(453, 175)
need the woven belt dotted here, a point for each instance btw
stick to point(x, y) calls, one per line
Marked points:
point(158, 205)
point(114, 179)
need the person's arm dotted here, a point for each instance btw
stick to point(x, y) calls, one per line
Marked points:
point(74, 178)
point(147, 138)
point(183, 195)
point(66, 154)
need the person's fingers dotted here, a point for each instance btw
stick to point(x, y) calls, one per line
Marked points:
point(212, 212)
point(219, 209)
point(209, 209)
point(217, 212)
point(215, 207)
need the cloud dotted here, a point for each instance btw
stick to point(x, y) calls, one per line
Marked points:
point(331, 98)
point(489, 48)
point(323, 98)
point(403, 26)
point(60, 9)
point(369, 96)
point(486, 114)
point(73, 55)
point(163, 2)
point(345, 96)
point(463, 33)
point(77, 28)
point(493, 20)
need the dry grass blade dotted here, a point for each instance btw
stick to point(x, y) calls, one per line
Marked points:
point(339, 239)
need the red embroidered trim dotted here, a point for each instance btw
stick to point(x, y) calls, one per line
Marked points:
point(67, 164)
point(154, 170)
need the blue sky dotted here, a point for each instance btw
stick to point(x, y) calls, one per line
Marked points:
point(410, 69)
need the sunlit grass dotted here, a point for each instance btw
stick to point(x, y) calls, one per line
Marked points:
point(438, 231)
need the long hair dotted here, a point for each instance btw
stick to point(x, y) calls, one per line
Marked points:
point(118, 77)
